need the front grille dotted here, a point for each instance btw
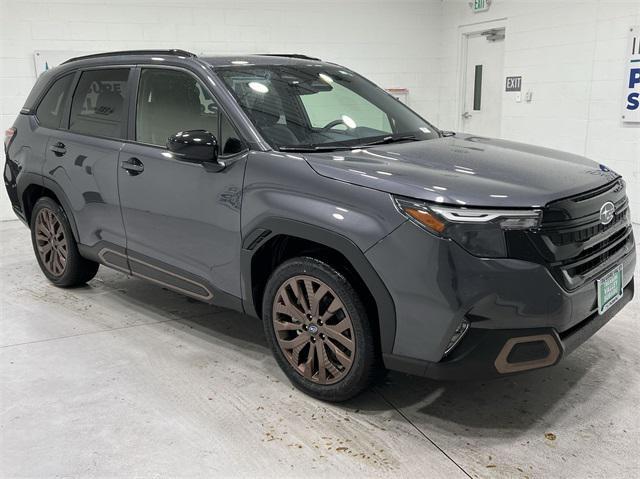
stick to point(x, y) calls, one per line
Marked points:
point(572, 242)
point(580, 235)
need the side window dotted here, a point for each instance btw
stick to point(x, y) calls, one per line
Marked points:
point(98, 106)
point(50, 110)
point(170, 101)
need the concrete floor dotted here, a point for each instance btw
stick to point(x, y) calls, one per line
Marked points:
point(122, 378)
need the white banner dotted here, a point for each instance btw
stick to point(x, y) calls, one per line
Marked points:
point(631, 101)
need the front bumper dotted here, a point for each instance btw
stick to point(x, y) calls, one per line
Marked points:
point(488, 353)
point(520, 317)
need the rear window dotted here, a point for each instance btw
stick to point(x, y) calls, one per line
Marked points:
point(98, 106)
point(50, 110)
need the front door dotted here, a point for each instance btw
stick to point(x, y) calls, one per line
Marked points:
point(182, 219)
point(483, 83)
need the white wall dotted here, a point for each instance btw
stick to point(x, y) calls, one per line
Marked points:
point(571, 55)
point(384, 40)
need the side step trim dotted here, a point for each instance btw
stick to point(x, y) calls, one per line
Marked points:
point(204, 295)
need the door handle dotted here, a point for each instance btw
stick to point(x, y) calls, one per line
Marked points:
point(58, 149)
point(133, 166)
point(466, 115)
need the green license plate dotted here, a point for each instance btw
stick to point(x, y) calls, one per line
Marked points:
point(609, 289)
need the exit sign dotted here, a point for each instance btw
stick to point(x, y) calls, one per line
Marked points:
point(479, 5)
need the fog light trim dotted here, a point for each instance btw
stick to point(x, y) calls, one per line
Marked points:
point(503, 366)
point(459, 333)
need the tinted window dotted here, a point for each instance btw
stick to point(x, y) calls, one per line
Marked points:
point(171, 101)
point(51, 107)
point(98, 107)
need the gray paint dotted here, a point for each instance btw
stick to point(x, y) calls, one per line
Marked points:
point(192, 220)
point(181, 214)
point(466, 170)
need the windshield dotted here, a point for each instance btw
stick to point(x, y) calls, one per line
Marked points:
point(320, 107)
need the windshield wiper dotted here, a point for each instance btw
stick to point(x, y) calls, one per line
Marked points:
point(382, 141)
point(312, 148)
point(389, 139)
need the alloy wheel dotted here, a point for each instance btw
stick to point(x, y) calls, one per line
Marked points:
point(313, 329)
point(51, 242)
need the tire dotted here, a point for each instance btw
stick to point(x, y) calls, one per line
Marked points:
point(336, 333)
point(55, 247)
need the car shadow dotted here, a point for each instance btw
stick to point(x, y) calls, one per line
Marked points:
point(511, 405)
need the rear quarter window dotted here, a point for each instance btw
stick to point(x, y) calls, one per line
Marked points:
point(50, 110)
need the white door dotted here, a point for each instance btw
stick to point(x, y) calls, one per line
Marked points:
point(483, 83)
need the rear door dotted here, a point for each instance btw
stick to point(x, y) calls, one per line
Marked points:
point(82, 158)
point(182, 219)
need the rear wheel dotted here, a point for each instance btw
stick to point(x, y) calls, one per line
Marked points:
point(318, 330)
point(56, 248)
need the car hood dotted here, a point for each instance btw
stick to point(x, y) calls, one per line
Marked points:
point(465, 170)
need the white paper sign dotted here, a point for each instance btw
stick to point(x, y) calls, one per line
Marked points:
point(45, 59)
point(631, 100)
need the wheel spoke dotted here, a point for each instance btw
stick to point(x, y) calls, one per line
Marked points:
point(342, 358)
point(308, 365)
point(292, 343)
point(44, 248)
point(308, 288)
point(322, 360)
point(346, 342)
point(295, 287)
point(286, 325)
point(341, 327)
point(317, 298)
point(332, 309)
point(295, 354)
point(290, 310)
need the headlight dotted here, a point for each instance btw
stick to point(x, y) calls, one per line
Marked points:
point(478, 230)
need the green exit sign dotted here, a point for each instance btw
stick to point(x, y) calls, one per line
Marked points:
point(480, 5)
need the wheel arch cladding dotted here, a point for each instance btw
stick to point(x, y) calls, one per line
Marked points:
point(275, 240)
point(34, 191)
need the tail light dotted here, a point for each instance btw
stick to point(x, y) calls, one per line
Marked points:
point(9, 135)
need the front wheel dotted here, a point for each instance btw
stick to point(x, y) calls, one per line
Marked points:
point(318, 329)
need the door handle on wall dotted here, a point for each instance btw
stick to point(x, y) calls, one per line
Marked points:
point(58, 149)
point(133, 166)
point(466, 115)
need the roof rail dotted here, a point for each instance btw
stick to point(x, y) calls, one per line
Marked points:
point(289, 55)
point(133, 52)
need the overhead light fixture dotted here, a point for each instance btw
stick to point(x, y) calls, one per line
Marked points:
point(258, 87)
point(347, 120)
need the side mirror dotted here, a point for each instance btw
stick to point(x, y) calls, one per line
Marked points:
point(194, 145)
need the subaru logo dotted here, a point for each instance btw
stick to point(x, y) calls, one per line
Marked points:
point(606, 213)
point(313, 329)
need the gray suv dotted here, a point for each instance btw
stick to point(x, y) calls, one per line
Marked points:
point(298, 192)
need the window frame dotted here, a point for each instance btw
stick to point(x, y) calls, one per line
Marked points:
point(126, 101)
point(133, 109)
